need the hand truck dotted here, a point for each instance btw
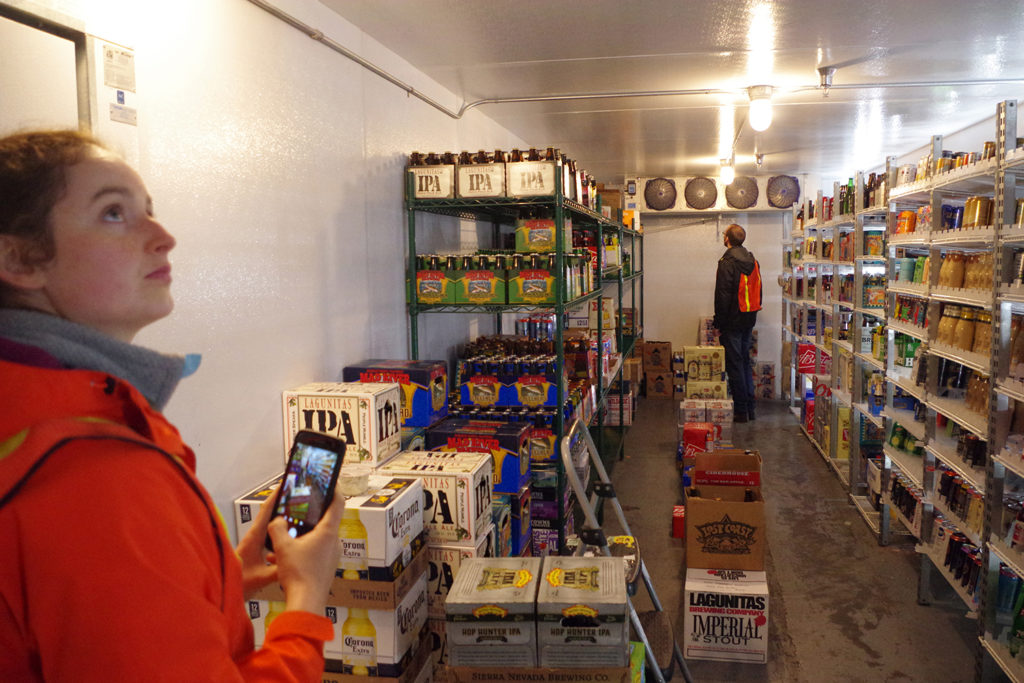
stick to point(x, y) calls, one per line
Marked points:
point(662, 650)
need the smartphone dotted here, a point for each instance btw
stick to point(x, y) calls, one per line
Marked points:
point(309, 478)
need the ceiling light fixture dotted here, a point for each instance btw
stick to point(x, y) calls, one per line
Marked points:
point(825, 74)
point(760, 114)
point(728, 172)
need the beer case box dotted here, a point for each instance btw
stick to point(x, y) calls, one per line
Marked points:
point(726, 615)
point(607, 313)
point(582, 612)
point(507, 442)
point(706, 390)
point(492, 674)
point(692, 410)
point(457, 491)
point(438, 644)
point(391, 513)
point(423, 385)
point(501, 513)
point(538, 235)
point(248, 505)
point(520, 504)
point(444, 564)
point(543, 444)
point(720, 411)
point(727, 467)
point(385, 640)
point(480, 180)
point(414, 439)
point(660, 384)
point(657, 356)
point(531, 178)
point(531, 286)
point(482, 286)
point(679, 521)
point(697, 437)
point(415, 668)
point(704, 363)
point(433, 182)
point(723, 531)
point(364, 415)
point(436, 286)
point(491, 612)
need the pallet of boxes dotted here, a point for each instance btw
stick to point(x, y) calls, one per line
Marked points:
point(547, 619)
point(726, 589)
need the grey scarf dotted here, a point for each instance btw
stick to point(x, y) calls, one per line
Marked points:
point(76, 346)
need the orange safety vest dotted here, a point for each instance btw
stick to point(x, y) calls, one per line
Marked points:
point(750, 290)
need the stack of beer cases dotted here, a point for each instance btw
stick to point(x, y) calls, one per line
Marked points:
point(726, 594)
point(555, 612)
point(678, 375)
point(550, 510)
point(458, 514)
point(695, 433)
point(764, 379)
point(378, 601)
point(707, 335)
point(705, 372)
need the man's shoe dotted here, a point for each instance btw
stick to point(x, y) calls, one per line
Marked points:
point(750, 416)
point(739, 418)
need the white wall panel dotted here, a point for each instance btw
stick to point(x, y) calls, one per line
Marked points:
point(37, 79)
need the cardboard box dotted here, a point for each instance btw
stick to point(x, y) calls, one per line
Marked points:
point(379, 528)
point(415, 668)
point(366, 416)
point(438, 629)
point(722, 530)
point(538, 235)
point(657, 356)
point(731, 467)
point(720, 411)
point(423, 385)
point(582, 616)
point(531, 285)
point(608, 313)
point(248, 505)
point(507, 442)
point(706, 390)
point(444, 564)
point(692, 410)
point(433, 182)
point(501, 513)
point(520, 504)
point(414, 439)
point(704, 362)
point(806, 358)
point(531, 178)
point(480, 286)
point(726, 616)
point(480, 180)
point(660, 383)
point(698, 437)
point(436, 286)
point(491, 612)
point(457, 492)
point(378, 642)
point(466, 674)
point(679, 521)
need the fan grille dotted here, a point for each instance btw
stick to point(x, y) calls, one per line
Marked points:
point(660, 194)
point(700, 193)
point(742, 192)
point(783, 191)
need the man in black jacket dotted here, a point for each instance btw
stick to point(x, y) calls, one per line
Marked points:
point(734, 324)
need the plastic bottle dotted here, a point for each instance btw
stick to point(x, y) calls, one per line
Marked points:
point(353, 545)
point(359, 644)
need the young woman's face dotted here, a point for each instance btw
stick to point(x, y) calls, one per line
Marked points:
point(111, 270)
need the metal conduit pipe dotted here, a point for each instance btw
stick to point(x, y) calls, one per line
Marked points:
point(319, 36)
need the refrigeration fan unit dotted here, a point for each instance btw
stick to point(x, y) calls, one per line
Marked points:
point(701, 193)
point(660, 194)
point(783, 191)
point(742, 192)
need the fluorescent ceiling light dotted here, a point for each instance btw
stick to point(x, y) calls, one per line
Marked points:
point(760, 114)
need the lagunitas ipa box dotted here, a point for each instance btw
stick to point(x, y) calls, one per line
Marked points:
point(582, 615)
point(371, 642)
point(491, 612)
point(480, 180)
point(726, 615)
point(507, 442)
point(433, 182)
point(445, 562)
point(365, 416)
point(423, 383)
point(457, 492)
point(379, 530)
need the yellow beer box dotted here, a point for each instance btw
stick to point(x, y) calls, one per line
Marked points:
point(491, 612)
point(365, 415)
point(371, 642)
point(445, 562)
point(457, 491)
point(582, 615)
point(379, 529)
point(704, 362)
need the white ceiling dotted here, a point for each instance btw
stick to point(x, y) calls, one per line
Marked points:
point(529, 48)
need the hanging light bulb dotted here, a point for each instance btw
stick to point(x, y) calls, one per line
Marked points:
point(760, 114)
point(728, 172)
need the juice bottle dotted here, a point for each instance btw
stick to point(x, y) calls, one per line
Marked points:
point(359, 644)
point(353, 545)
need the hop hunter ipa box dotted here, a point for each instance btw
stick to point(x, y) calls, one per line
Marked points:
point(582, 615)
point(507, 442)
point(423, 383)
point(457, 491)
point(365, 416)
point(491, 612)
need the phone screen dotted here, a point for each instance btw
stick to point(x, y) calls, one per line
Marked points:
point(308, 485)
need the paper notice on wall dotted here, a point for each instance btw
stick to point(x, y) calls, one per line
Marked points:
point(123, 114)
point(118, 68)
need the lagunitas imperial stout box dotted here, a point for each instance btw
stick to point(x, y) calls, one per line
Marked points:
point(726, 615)
point(423, 383)
point(457, 492)
point(582, 613)
point(491, 613)
point(365, 416)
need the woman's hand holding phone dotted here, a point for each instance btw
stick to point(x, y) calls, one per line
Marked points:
point(252, 552)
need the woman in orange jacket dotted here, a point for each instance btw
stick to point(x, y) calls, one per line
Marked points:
point(116, 565)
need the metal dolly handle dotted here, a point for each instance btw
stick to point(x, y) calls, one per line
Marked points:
point(592, 534)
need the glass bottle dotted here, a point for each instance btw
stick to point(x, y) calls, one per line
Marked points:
point(963, 335)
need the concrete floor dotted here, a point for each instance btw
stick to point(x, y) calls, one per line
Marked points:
point(842, 608)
